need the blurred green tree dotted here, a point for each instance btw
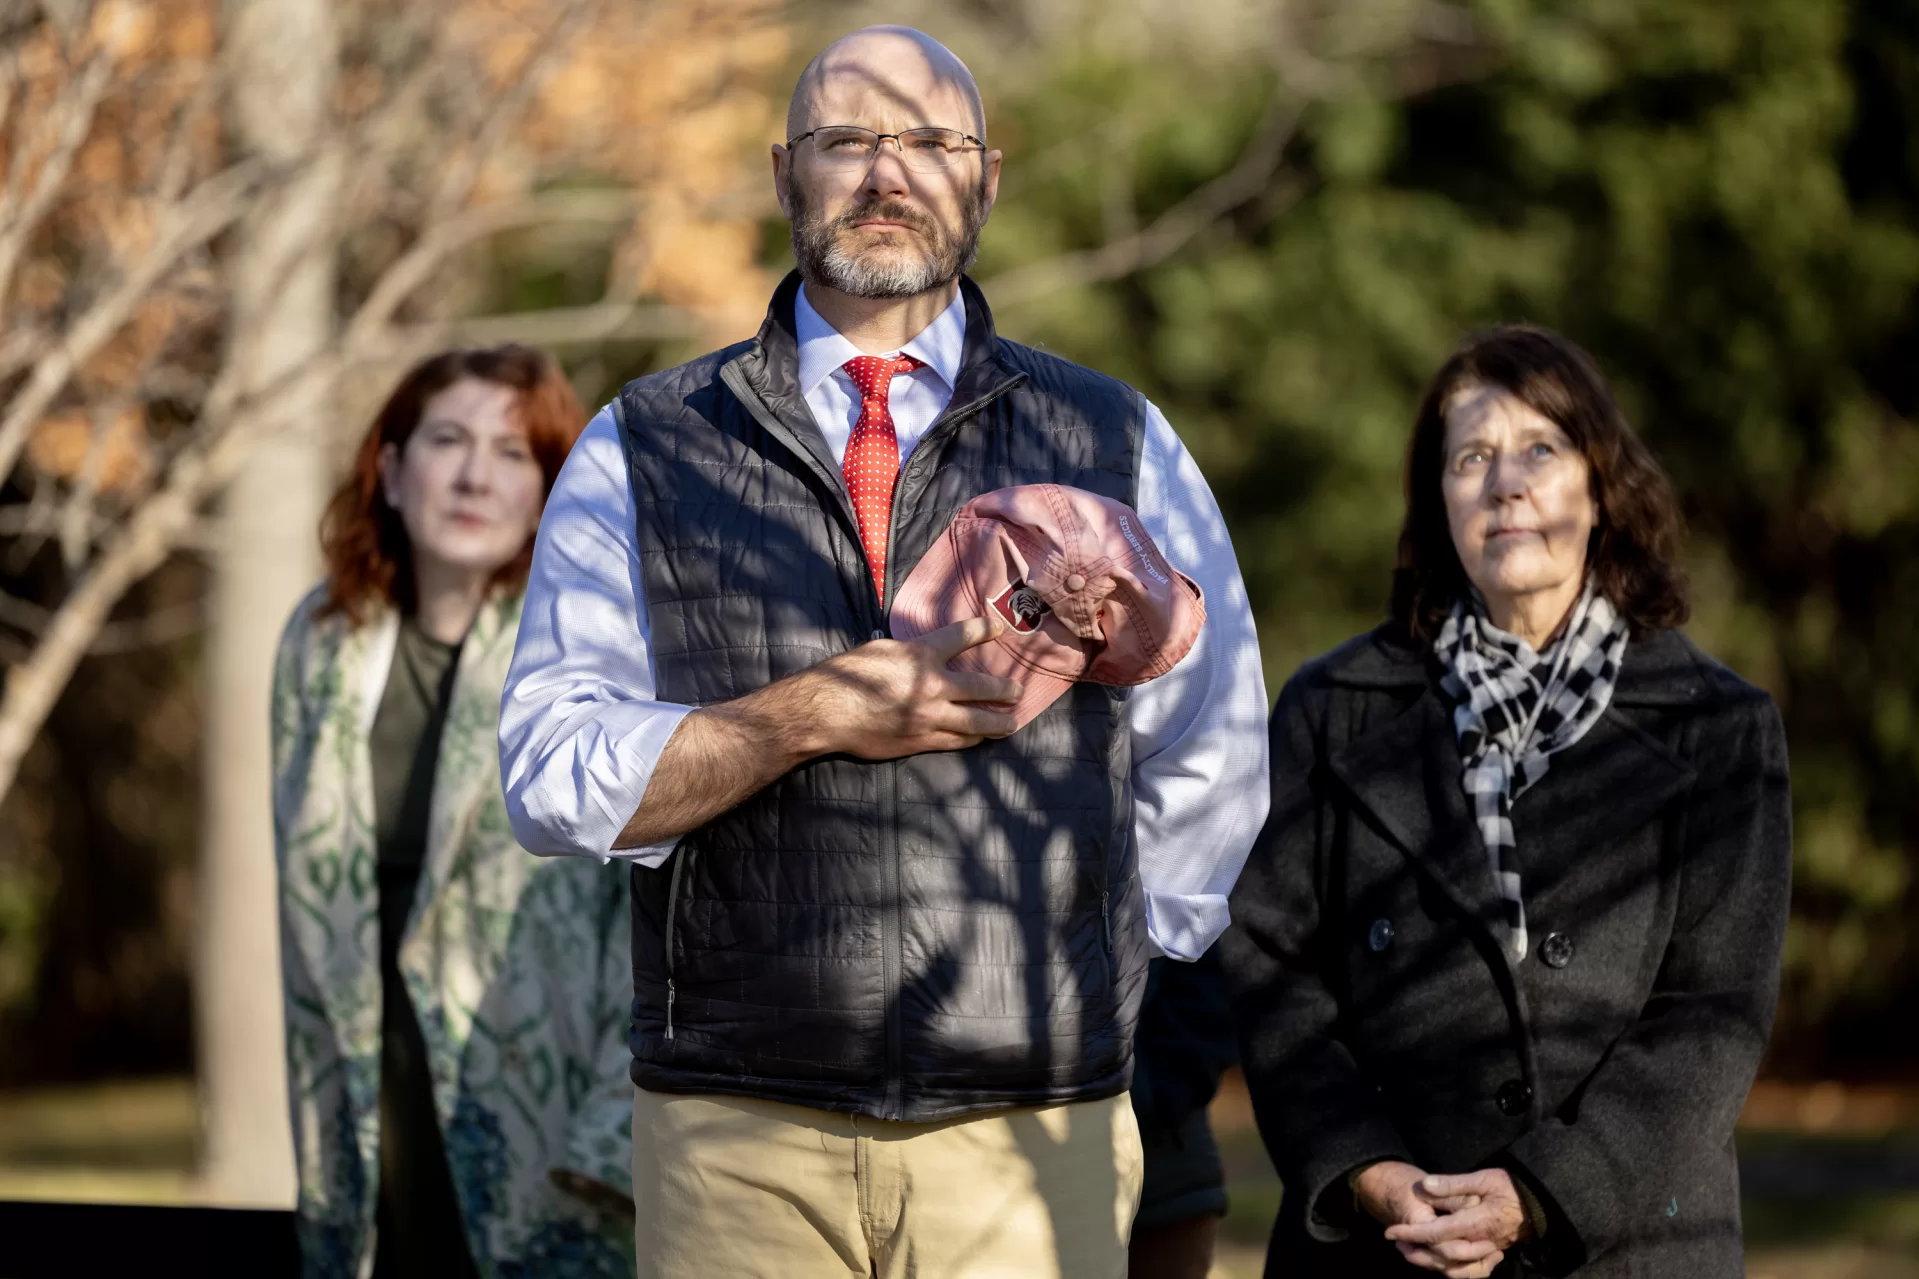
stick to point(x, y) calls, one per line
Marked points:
point(1716, 197)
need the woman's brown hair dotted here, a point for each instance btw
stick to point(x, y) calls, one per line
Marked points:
point(1635, 546)
point(369, 558)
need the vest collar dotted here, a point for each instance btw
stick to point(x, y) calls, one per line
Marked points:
point(772, 362)
point(766, 378)
point(825, 351)
point(982, 373)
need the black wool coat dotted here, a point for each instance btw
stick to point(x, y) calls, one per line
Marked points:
point(1380, 1019)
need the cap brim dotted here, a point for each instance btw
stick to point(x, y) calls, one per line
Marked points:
point(923, 604)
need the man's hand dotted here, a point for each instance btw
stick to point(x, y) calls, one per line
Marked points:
point(1479, 1216)
point(882, 700)
point(891, 698)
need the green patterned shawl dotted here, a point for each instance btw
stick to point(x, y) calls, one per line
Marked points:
point(518, 967)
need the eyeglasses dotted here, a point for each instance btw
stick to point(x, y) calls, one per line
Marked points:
point(847, 146)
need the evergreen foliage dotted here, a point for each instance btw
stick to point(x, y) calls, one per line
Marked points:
point(1717, 198)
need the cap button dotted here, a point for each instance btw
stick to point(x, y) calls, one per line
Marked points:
point(1075, 582)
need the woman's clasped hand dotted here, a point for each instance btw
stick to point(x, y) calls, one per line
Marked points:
point(1459, 1226)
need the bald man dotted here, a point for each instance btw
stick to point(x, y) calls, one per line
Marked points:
point(887, 952)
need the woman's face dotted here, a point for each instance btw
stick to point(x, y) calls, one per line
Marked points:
point(1518, 498)
point(466, 484)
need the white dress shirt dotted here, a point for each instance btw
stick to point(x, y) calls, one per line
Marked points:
point(581, 727)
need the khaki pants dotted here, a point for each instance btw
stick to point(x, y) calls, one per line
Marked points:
point(733, 1188)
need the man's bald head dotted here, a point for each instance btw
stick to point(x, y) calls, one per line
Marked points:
point(903, 74)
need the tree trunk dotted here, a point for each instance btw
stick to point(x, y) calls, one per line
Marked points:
point(282, 57)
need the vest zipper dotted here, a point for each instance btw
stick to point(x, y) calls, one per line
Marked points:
point(672, 910)
point(890, 941)
point(891, 944)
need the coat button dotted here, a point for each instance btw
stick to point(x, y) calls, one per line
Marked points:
point(1513, 1097)
point(878, 634)
point(1381, 935)
point(1556, 950)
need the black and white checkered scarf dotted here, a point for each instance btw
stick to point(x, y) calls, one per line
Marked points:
point(1512, 708)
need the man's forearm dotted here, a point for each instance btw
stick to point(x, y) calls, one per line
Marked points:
point(718, 757)
point(882, 700)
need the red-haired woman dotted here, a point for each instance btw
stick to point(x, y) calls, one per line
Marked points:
point(455, 1008)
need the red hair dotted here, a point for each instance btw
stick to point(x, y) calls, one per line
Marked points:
point(369, 558)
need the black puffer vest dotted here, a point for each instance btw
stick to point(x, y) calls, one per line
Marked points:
point(913, 939)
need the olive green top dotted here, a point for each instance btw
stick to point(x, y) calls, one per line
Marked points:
point(417, 1222)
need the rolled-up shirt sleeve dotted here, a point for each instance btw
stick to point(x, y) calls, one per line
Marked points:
point(581, 727)
point(1199, 731)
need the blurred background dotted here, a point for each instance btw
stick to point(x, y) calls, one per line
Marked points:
point(226, 228)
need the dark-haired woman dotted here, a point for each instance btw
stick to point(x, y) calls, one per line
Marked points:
point(1506, 955)
point(455, 1007)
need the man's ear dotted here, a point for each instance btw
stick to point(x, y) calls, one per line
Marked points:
point(782, 176)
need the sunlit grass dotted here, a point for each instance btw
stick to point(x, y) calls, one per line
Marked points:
point(133, 1141)
point(137, 1141)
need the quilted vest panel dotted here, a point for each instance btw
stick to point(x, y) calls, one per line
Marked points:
point(910, 939)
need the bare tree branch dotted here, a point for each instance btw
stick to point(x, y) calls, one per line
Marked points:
point(69, 17)
point(139, 546)
point(176, 167)
point(219, 446)
point(20, 348)
point(568, 326)
point(402, 152)
point(1119, 212)
point(9, 73)
point(1428, 45)
point(212, 207)
point(23, 614)
point(76, 513)
point(383, 134)
point(38, 520)
point(34, 685)
point(380, 135)
point(1168, 233)
point(418, 264)
point(456, 185)
point(162, 626)
point(71, 118)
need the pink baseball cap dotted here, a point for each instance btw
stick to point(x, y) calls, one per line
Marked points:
point(1083, 591)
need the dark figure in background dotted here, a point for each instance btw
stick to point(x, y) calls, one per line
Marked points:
point(1506, 954)
point(1185, 1041)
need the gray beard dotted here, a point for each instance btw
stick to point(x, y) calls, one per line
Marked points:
point(829, 257)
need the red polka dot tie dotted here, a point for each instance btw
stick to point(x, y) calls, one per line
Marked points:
point(872, 460)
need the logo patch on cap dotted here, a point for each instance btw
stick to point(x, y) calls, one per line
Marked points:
point(1022, 607)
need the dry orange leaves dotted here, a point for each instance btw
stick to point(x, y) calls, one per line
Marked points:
point(674, 100)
